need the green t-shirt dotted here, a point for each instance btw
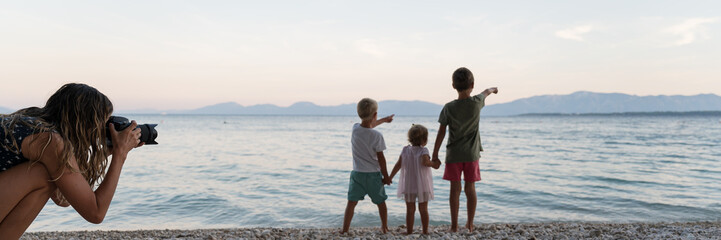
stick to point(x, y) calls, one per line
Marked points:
point(462, 118)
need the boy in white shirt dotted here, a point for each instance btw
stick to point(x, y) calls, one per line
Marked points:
point(369, 165)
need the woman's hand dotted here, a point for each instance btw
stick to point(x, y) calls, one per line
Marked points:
point(125, 140)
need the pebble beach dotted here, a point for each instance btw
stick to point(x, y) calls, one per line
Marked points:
point(565, 230)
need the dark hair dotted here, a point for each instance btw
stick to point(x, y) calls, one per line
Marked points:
point(462, 79)
point(78, 113)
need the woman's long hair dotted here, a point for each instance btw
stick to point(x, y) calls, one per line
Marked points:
point(77, 112)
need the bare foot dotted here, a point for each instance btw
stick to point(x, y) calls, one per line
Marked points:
point(453, 229)
point(469, 226)
point(384, 229)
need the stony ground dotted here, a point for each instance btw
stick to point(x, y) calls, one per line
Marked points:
point(574, 230)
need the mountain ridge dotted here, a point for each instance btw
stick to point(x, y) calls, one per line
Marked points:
point(580, 102)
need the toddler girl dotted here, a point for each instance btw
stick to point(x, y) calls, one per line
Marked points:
point(416, 183)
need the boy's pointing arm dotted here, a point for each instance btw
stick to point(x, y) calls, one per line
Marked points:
point(489, 91)
point(387, 119)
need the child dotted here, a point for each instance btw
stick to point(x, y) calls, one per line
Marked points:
point(462, 117)
point(416, 181)
point(369, 165)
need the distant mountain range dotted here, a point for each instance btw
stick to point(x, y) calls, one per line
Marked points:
point(575, 103)
point(589, 102)
point(414, 108)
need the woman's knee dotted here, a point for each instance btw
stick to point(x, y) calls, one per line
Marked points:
point(41, 179)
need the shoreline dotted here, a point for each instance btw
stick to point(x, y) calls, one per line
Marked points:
point(545, 230)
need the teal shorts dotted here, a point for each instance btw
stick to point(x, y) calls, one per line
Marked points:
point(371, 183)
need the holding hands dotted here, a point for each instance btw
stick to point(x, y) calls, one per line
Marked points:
point(436, 163)
point(387, 180)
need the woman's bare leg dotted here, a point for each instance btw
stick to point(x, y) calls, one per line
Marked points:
point(24, 192)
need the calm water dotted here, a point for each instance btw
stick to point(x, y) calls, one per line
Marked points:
point(283, 171)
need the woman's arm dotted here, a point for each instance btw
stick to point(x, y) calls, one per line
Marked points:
point(92, 206)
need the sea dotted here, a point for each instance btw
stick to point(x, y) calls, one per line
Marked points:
point(293, 171)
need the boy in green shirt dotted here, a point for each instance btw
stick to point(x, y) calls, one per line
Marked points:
point(462, 117)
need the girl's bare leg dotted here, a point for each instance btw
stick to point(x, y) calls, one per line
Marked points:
point(410, 216)
point(24, 192)
point(423, 209)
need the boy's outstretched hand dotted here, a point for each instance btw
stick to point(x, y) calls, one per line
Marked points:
point(387, 119)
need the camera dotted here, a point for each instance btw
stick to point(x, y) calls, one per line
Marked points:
point(147, 131)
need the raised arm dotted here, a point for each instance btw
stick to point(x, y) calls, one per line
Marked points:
point(91, 205)
point(489, 91)
point(386, 119)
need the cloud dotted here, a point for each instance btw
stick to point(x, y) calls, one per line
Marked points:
point(690, 30)
point(574, 33)
point(465, 21)
point(369, 46)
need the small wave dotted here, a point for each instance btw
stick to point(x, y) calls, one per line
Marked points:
point(675, 156)
point(495, 170)
point(620, 143)
point(618, 180)
point(669, 161)
point(705, 171)
point(665, 207)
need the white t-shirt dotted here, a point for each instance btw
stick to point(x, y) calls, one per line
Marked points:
point(366, 143)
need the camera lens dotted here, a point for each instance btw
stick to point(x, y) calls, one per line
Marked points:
point(147, 131)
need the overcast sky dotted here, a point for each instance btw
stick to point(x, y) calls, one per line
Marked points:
point(189, 54)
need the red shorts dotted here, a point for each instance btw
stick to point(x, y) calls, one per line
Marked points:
point(470, 170)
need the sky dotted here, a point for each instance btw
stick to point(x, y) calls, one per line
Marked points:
point(173, 55)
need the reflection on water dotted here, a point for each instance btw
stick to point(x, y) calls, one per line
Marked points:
point(290, 171)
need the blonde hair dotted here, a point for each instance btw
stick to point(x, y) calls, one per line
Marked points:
point(77, 113)
point(366, 108)
point(417, 135)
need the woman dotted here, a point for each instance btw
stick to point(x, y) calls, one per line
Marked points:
point(59, 152)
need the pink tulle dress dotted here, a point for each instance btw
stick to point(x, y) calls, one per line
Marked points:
point(416, 181)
